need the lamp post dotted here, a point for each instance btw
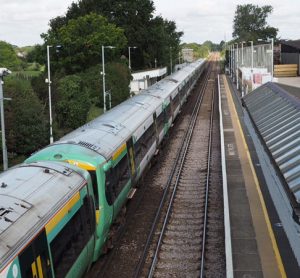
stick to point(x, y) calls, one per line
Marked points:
point(3, 72)
point(49, 88)
point(49, 91)
point(129, 57)
point(171, 66)
point(103, 76)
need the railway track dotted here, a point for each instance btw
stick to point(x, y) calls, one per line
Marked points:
point(181, 244)
point(185, 217)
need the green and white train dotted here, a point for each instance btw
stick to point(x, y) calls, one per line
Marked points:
point(58, 207)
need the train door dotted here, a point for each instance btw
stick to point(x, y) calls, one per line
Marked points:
point(156, 129)
point(34, 260)
point(131, 159)
point(172, 107)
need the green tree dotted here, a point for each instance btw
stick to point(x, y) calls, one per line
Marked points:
point(37, 54)
point(162, 38)
point(250, 23)
point(140, 27)
point(199, 51)
point(82, 39)
point(26, 125)
point(73, 102)
point(8, 57)
point(132, 16)
point(117, 77)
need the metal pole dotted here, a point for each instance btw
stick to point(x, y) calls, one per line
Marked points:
point(231, 56)
point(103, 76)
point(252, 51)
point(49, 89)
point(242, 53)
point(237, 65)
point(272, 62)
point(109, 100)
point(230, 64)
point(4, 149)
point(171, 59)
point(129, 62)
point(233, 62)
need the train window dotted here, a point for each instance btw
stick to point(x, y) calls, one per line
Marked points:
point(138, 152)
point(34, 260)
point(95, 187)
point(116, 179)
point(143, 145)
point(176, 101)
point(160, 122)
point(109, 184)
point(123, 173)
point(168, 113)
point(69, 243)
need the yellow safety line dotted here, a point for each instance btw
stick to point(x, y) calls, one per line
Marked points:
point(261, 198)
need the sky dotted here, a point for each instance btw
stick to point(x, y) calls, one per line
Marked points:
point(22, 21)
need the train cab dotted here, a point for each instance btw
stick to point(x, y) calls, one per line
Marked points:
point(47, 221)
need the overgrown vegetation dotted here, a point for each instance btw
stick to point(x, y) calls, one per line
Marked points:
point(76, 79)
point(76, 66)
point(203, 50)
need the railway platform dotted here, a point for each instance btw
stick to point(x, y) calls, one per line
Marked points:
point(251, 245)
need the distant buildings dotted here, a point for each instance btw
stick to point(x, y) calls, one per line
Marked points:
point(187, 55)
point(290, 53)
point(143, 79)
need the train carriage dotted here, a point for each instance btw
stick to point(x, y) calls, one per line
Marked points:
point(47, 226)
point(116, 147)
point(56, 209)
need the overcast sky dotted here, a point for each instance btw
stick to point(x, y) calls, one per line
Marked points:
point(22, 21)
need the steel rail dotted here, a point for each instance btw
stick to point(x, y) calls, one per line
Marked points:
point(182, 161)
point(171, 176)
point(207, 185)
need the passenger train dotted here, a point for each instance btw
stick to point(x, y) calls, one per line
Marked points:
point(58, 207)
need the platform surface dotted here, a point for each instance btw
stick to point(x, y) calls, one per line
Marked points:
point(291, 81)
point(254, 249)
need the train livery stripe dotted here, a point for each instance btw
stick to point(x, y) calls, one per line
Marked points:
point(119, 152)
point(81, 165)
point(97, 216)
point(60, 215)
point(39, 265)
point(33, 269)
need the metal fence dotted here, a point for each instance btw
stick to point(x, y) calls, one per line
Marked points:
point(251, 66)
point(242, 56)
